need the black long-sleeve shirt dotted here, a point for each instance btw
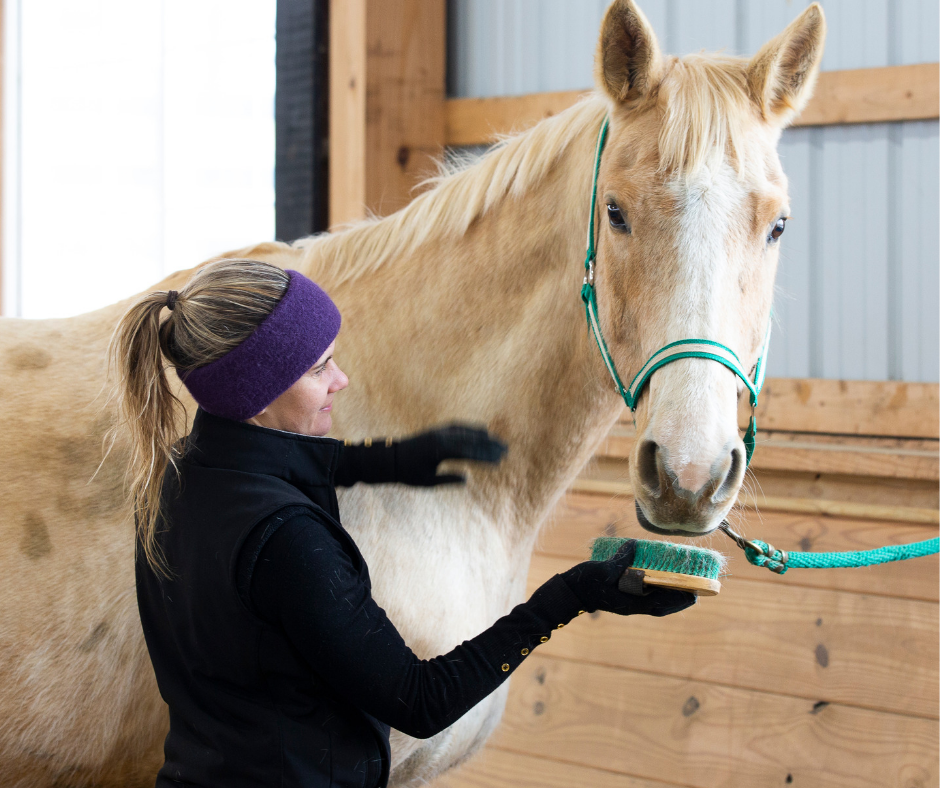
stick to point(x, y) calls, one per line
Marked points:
point(297, 576)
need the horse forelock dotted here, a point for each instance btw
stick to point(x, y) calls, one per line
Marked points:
point(707, 110)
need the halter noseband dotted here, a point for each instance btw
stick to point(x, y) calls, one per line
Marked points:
point(683, 348)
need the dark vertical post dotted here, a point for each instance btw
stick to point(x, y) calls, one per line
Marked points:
point(301, 104)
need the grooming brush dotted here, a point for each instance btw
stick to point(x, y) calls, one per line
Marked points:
point(666, 564)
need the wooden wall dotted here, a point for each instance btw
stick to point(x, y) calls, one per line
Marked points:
point(816, 678)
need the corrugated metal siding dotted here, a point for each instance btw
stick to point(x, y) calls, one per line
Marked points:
point(859, 282)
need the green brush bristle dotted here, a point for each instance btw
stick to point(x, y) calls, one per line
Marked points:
point(664, 556)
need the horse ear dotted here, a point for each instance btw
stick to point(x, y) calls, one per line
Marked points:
point(781, 77)
point(628, 62)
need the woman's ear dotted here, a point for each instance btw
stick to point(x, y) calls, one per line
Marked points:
point(781, 77)
point(628, 64)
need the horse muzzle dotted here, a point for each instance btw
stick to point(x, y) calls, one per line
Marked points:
point(665, 506)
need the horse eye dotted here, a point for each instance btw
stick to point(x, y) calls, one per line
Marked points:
point(616, 218)
point(779, 227)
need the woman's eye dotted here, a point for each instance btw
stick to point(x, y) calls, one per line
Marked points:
point(779, 227)
point(616, 218)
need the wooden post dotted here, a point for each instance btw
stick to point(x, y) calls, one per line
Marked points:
point(387, 80)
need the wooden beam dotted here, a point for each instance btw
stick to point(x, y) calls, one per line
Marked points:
point(848, 407)
point(874, 95)
point(866, 95)
point(387, 80)
point(785, 503)
point(848, 455)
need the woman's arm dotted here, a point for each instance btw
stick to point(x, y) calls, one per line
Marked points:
point(304, 582)
point(414, 460)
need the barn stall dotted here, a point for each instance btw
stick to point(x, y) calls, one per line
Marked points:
point(818, 677)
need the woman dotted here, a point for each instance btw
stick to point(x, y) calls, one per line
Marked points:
point(277, 665)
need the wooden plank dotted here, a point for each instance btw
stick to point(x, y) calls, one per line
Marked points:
point(813, 494)
point(705, 735)
point(874, 95)
point(478, 121)
point(580, 518)
point(867, 95)
point(495, 768)
point(386, 102)
point(859, 650)
point(848, 407)
point(820, 453)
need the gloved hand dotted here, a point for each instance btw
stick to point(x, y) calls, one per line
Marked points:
point(414, 460)
point(595, 584)
point(417, 457)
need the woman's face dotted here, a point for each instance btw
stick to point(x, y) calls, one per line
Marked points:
point(306, 407)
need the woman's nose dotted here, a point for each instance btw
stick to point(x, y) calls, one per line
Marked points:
point(340, 381)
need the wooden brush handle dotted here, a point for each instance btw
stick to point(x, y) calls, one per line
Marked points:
point(701, 586)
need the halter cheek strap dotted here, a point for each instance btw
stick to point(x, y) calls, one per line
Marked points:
point(683, 348)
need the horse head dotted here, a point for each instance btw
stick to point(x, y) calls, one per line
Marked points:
point(691, 202)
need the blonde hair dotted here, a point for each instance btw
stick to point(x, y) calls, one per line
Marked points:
point(216, 311)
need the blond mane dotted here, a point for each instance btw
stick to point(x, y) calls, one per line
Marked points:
point(457, 198)
point(705, 104)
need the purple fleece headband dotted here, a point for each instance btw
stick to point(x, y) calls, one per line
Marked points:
point(286, 344)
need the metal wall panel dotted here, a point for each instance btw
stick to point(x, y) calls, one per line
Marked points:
point(858, 290)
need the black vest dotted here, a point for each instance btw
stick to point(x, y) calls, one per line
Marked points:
point(245, 709)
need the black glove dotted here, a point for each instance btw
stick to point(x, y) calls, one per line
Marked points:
point(595, 583)
point(414, 460)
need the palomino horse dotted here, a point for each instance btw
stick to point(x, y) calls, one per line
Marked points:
point(464, 305)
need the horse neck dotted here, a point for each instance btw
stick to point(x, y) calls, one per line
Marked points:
point(487, 326)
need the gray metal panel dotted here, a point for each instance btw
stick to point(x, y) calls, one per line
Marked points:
point(914, 33)
point(693, 25)
point(918, 261)
point(512, 47)
point(790, 346)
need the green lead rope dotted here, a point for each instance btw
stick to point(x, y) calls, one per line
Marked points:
point(761, 553)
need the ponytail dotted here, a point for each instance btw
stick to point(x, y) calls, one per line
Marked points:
point(152, 413)
point(216, 311)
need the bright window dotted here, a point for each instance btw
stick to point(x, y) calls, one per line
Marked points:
point(139, 139)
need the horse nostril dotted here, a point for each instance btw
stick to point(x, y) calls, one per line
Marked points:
point(647, 466)
point(732, 480)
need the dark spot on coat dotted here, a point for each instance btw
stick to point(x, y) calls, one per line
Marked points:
point(822, 655)
point(818, 706)
point(595, 614)
point(26, 357)
point(818, 622)
point(540, 675)
point(35, 541)
point(690, 706)
point(806, 544)
point(610, 529)
point(789, 779)
point(538, 708)
point(403, 155)
point(96, 636)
